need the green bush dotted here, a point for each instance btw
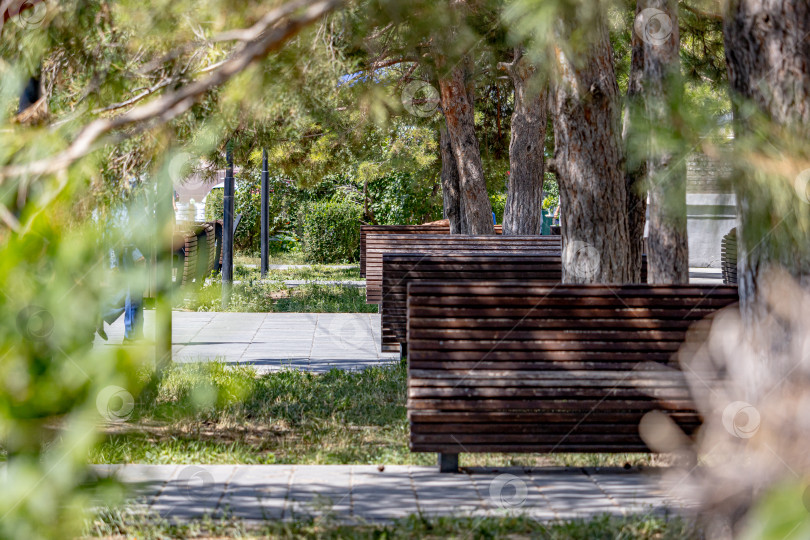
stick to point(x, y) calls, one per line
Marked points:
point(498, 202)
point(331, 231)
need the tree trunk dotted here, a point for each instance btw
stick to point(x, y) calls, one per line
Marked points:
point(636, 152)
point(768, 58)
point(523, 213)
point(451, 196)
point(590, 164)
point(667, 245)
point(459, 113)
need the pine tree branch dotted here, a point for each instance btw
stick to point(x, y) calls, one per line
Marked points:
point(267, 35)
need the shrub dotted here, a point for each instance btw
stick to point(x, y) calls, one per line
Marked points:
point(498, 202)
point(331, 231)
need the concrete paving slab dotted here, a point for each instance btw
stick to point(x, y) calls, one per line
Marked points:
point(258, 492)
point(510, 493)
point(316, 491)
point(195, 490)
point(146, 483)
point(370, 487)
point(436, 492)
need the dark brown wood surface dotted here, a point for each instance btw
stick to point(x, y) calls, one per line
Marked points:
point(526, 366)
point(395, 229)
point(378, 245)
point(401, 229)
point(728, 257)
point(401, 269)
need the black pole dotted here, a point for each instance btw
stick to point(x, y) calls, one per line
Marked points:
point(227, 230)
point(265, 213)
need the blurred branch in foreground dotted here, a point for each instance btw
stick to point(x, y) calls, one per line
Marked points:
point(262, 38)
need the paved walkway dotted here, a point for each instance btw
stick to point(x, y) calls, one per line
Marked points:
point(363, 492)
point(272, 341)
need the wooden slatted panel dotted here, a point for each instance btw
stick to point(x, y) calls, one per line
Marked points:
point(190, 262)
point(395, 229)
point(378, 245)
point(399, 270)
point(728, 257)
point(530, 367)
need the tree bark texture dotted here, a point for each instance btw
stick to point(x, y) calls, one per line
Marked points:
point(768, 59)
point(589, 159)
point(524, 196)
point(451, 195)
point(636, 151)
point(459, 113)
point(667, 244)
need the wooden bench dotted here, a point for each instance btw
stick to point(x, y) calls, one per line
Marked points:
point(525, 367)
point(395, 229)
point(427, 228)
point(399, 270)
point(728, 257)
point(378, 245)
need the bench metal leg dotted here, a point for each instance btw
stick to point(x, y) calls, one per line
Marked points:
point(448, 463)
point(403, 351)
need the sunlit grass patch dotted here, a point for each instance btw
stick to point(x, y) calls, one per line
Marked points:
point(213, 413)
point(258, 297)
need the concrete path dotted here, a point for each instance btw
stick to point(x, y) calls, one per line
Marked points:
point(363, 492)
point(272, 341)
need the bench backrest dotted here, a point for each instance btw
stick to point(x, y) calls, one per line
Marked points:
point(525, 367)
point(378, 245)
point(399, 270)
point(401, 229)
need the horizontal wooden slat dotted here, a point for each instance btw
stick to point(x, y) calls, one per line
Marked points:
point(600, 448)
point(450, 418)
point(377, 245)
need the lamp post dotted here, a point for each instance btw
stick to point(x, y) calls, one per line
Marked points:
point(227, 230)
point(265, 213)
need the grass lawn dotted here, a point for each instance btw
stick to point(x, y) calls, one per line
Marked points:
point(116, 524)
point(315, 272)
point(256, 297)
point(211, 413)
